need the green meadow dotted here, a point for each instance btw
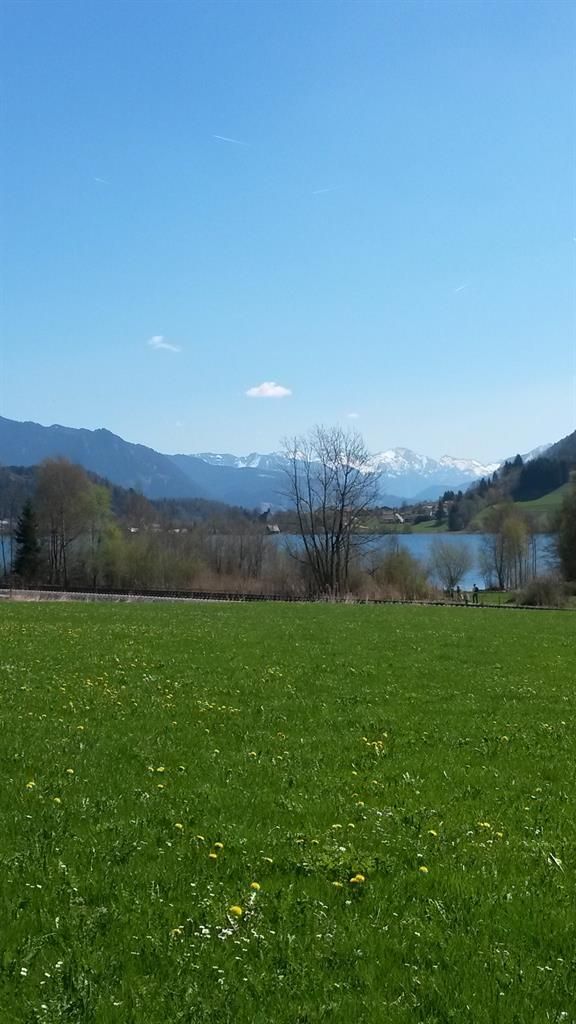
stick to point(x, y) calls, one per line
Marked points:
point(275, 814)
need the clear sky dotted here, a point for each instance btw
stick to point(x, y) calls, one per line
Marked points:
point(369, 205)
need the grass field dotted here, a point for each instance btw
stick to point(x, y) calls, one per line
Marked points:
point(547, 503)
point(392, 789)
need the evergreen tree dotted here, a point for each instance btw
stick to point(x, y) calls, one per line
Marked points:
point(455, 517)
point(27, 557)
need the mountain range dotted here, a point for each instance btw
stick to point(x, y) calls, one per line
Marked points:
point(250, 480)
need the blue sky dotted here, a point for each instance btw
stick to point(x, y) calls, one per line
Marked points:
point(392, 234)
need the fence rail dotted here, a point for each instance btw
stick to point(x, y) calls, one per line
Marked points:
point(52, 592)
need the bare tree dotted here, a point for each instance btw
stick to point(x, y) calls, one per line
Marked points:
point(330, 483)
point(449, 562)
point(507, 554)
point(62, 497)
point(566, 532)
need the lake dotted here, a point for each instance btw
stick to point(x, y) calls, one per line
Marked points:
point(420, 545)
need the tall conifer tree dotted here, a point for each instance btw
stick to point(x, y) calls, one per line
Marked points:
point(27, 557)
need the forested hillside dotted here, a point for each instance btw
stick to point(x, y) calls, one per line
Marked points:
point(516, 481)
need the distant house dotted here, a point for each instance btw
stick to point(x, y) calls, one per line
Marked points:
point(390, 515)
point(272, 528)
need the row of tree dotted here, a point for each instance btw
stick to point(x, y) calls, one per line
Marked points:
point(75, 529)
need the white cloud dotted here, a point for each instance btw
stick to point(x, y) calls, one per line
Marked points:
point(158, 341)
point(268, 389)
point(353, 415)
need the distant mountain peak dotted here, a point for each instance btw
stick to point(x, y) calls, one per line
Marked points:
point(402, 470)
point(247, 480)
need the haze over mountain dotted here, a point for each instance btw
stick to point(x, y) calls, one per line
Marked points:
point(249, 480)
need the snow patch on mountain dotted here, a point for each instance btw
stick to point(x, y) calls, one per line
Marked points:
point(401, 470)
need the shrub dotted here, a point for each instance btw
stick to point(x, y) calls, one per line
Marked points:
point(401, 575)
point(543, 592)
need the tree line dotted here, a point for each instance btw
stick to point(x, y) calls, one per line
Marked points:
point(67, 527)
point(64, 527)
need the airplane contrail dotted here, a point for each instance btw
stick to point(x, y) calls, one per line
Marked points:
point(224, 138)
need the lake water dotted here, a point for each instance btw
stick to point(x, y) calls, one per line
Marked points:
point(421, 544)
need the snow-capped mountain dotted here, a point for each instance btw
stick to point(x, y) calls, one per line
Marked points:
point(420, 476)
point(401, 470)
point(400, 462)
point(273, 461)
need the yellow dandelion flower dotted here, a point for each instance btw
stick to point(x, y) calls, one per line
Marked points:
point(357, 879)
point(177, 933)
point(252, 753)
point(351, 824)
point(31, 784)
point(255, 886)
point(360, 803)
point(423, 869)
point(500, 835)
point(56, 800)
point(268, 860)
point(69, 771)
point(432, 832)
point(236, 911)
point(179, 826)
point(337, 885)
point(212, 856)
point(160, 785)
point(201, 839)
point(161, 768)
point(218, 846)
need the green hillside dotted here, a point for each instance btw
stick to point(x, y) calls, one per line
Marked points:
point(547, 503)
point(540, 511)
